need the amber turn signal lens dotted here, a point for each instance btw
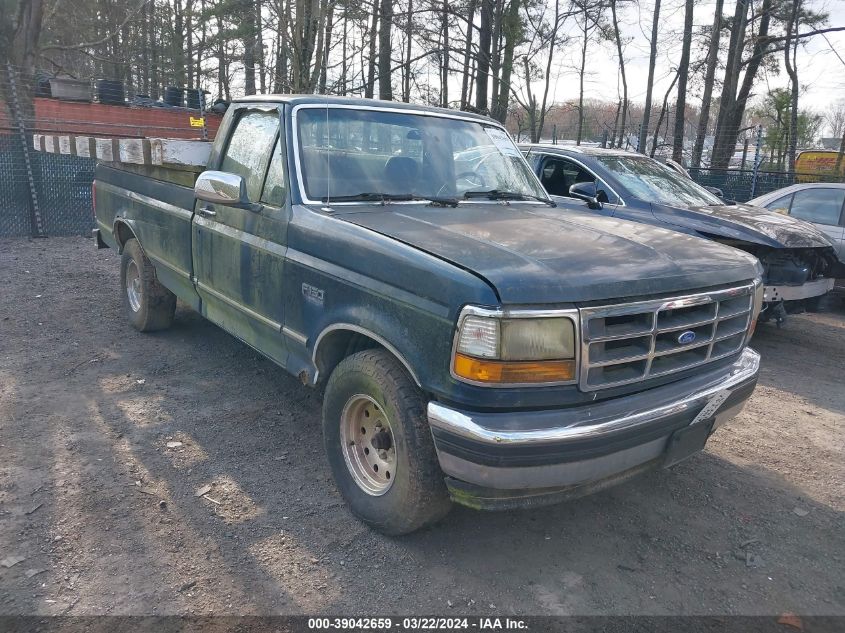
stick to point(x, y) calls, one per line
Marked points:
point(496, 371)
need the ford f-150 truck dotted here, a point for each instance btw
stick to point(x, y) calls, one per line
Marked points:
point(474, 344)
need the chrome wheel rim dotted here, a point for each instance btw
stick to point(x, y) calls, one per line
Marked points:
point(367, 443)
point(133, 286)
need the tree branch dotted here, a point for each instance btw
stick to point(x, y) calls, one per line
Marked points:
point(102, 40)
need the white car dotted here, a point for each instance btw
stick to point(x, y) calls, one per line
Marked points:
point(821, 203)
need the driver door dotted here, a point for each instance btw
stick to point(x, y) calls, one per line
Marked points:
point(239, 254)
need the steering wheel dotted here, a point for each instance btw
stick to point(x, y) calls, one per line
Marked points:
point(473, 177)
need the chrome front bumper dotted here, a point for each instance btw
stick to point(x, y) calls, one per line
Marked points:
point(795, 293)
point(550, 450)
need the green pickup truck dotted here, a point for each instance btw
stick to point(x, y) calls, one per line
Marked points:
point(475, 343)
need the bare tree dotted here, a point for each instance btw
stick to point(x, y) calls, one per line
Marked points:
point(683, 77)
point(385, 86)
point(652, 59)
point(485, 36)
point(835, 117)
point(623, 104)
point(709, 78)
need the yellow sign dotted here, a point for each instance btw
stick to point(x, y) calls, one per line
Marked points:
point(822, 162)
point(197, 122)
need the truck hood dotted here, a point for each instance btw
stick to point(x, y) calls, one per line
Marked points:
point(746, 223)
point(533, 254)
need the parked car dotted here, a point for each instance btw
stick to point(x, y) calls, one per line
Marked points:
point(799, 261)
point(473, 343)
point(822, 204)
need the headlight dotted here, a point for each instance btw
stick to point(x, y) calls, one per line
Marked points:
point(757, 306)
point(516, 348)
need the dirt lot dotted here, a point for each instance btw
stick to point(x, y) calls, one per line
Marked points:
point(105, 515)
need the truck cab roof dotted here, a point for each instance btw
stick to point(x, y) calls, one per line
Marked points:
point(297, 99)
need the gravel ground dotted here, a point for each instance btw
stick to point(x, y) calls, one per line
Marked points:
point(101, 505)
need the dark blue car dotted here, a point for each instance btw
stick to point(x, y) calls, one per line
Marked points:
point(799, 261)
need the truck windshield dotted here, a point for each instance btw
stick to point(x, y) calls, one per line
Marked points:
point(648, 180)
point(349, 154)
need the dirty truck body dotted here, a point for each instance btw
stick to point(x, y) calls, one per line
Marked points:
point(475, 344)
point(799, 261)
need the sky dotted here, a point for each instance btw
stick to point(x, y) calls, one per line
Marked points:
point(820, 73)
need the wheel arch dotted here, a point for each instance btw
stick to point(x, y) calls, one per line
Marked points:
point(340, 340)
point(123, 231)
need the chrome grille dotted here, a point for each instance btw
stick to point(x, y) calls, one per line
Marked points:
point(631, 342)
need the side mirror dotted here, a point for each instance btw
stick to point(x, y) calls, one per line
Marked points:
point(586, 191)
point(716, 192)
point(220, 187)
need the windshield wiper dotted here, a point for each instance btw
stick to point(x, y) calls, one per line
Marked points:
point(501, 194)
point(393, 197)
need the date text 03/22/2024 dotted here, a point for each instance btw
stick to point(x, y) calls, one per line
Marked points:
point(417, 623)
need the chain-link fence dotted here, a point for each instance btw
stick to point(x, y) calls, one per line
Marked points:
point(44, 193)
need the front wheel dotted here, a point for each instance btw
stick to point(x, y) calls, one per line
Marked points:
point(148, 305)
point(379, 445)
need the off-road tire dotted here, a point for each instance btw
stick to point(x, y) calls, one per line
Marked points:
point(417, 496)
point(156, 305)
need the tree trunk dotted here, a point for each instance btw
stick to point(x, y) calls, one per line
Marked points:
point(19, 36)
point(581, 70)
point(281, 83)
point(155, 56)
point(465, 91)
point(539, 121)
point(495, 54)
point(344, 64)
point(641, 143)
point(444, 56)
point(189, 45)
point(259, 48)
point(324, 63)
point(622, 116)
point(222, 72)
point(709, 77)
point(615, 124)
point(482, 70)
point(683, 77)
point(369, 89)
point(663, 109)
point(144, 71)
point(511, 29)
point(406, 66)
point(790, 50)
point(385, 84)
point(248, 28)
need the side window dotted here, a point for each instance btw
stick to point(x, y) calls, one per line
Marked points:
point(248, 151)
point(275, 185)
point(559, 174)
point(781, 205)
point(822, 206)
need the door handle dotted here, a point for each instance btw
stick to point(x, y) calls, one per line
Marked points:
point(208, 212)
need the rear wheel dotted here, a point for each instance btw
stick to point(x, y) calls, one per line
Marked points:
point(148, 305)
point(379, 445)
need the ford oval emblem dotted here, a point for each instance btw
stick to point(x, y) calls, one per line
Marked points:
point(685, 338)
